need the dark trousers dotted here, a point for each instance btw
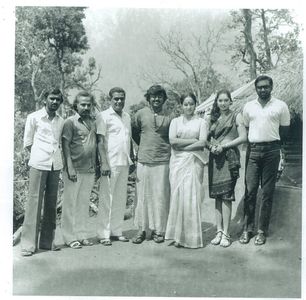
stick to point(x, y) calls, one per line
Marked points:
point(261, 168)
point(43, 184)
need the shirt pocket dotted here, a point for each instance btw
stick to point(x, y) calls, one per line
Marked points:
point(113, 128)
point(44, 129)
point(82, 134)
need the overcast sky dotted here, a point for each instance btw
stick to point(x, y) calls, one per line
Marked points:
point(124, 43)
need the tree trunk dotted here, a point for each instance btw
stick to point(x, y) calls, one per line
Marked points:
point(249, 45)
point(33, 78)
point(269, 63)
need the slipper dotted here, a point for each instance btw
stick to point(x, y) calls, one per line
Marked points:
point(52, 248)
point(75, 245)
point(139, 238)
point(86, 242)
point(260, 239)
point(26, 252)
point(157, 237)
point(178, 245)
point(217, 239)
point(105, 242)
point(123, 239)
point(245, 237)
point(225, 240)
point(120, 238)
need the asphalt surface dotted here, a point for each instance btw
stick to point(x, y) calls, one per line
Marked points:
point(149, 269)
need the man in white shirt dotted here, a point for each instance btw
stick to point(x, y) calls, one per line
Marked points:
point(42, 138)
point(267, 120)
point(114, 140)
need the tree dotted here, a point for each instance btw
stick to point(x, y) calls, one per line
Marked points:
point(267, 38)
point(32, 59)
point(63, 30)
point(87, 77)
point(193, 58)
point(275, 45)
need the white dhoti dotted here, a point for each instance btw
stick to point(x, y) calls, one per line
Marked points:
point(153, 196)
point(75, 210)
point(113, 196)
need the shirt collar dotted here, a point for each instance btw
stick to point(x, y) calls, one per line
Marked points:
point(77, 117)
point(270, 101)
point(111, 111)
point(44, 113)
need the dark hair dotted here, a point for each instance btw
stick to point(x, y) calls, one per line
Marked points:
point(263, 77)
point(215, 112)
point(116, 90)
point(155, 90)
point(54, 91)
point(190, 95)
point(82, 94)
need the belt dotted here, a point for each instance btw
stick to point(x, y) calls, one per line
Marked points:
point(276, 142)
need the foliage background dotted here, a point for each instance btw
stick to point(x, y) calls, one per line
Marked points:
point(200, 51)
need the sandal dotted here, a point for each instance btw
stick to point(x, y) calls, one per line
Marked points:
point(120, 238)
point(86, 242)
point(75, 245)
point(105, 242)
point(139, 238)
point(225, 240)
point(157, 237)
point(217, 239)
point(245, 237)
point(178, 245)
point(26, 252)
point(260, 239)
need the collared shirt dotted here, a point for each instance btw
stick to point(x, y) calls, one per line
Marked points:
point(264, 121)
point(151, 131)
point(117, 132)
point(83, 143)
point(44, 135)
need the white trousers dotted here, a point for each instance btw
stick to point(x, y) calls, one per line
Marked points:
point(75, 209)
point(112, 202)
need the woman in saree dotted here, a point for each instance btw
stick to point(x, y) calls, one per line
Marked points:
point(187, 136)
point(226, 132)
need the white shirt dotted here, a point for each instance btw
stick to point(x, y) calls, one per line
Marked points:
point(117, 133)
point(45, 137)
point(264, 121)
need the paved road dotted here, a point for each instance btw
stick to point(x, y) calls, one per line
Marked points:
point(150, 269)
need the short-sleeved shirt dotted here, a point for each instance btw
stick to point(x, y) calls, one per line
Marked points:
point(44, 135)
point(264, 121)
point(117, 132)
point(153, 131)
point(83, 143)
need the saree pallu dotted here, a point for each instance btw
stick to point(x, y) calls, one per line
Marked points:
point(223, 169)
point(186, 181)
point(223, 172)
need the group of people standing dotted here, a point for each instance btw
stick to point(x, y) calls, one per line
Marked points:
point(170, 166)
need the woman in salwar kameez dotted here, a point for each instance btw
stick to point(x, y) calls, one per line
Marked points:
point(187, 136)
point(226, 132)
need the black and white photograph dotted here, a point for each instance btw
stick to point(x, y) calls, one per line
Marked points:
point(156, 150)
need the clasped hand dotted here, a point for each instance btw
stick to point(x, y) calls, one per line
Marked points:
point(216, 149)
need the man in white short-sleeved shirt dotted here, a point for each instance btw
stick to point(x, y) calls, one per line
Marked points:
point(267, 120)
point(42, 137)
point(114, 140)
